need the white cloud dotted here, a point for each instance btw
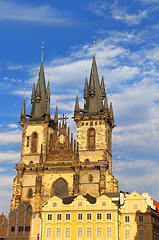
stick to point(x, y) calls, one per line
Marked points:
point(117, 11)
point(12, 125)
point(46, 14)
point(14, 67)
point(5, 192)
point(11, 137)
point(9, 157)
point(128, 18)
point(5, 78)
point(137, 174)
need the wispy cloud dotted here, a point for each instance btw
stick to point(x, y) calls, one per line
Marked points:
point(11, 137)
point(46, 14)
point(131, 19)
point(9, 157)
point(12, 125)
point(118, 12)
point(132, 174)
point(5, 192)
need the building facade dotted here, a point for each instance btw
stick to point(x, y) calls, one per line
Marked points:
point(20, 224)
point(117, 216)
point(51, 162)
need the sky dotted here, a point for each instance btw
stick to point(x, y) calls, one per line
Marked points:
point(127, 44)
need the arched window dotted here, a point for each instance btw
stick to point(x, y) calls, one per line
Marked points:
point(91, 138)
point(60, 188)
point(34, 142)
point(30, 193)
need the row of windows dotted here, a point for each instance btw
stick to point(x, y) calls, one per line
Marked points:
point(99, 232)
point(80, 203)
point(79, 216)
point(89, 217)
point(128, 234)
point(140, 218)
point(20, 229)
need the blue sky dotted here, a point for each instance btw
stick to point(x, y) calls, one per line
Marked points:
point(126, 34)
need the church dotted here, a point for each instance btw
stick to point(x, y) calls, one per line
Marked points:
point(64, 188)
point(52, 163)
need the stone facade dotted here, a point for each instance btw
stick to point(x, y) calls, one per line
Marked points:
point(52, 163)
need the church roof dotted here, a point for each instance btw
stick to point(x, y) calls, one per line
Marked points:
point(70, 199)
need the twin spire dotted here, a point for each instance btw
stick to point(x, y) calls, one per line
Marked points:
point(95, 94)
point(40, 98)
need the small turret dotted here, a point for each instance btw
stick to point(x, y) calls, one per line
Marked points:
point(48, 101)
point(102, 87)
point(56, 114)
point(77, 109)
point(105, 101)
point(38, 93)
point(92, 87)
point(22, 118)
point(86, 88)
point(33, 97)
point(77, 101)
point(111, 110)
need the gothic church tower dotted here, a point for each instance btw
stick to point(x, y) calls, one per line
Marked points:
point(95, 123)
point(51, 163)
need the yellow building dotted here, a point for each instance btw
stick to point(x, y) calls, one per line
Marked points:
point(20, 224)
point(118, 216)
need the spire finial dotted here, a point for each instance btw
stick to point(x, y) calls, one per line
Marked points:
point(102, 69)
point(24, 93)
point(110, 96)
point(86, 70)
point(56, 101)
point(42, 51)
point(77, 88)
point(49, 77)
point(94, 46)
point(34, 77)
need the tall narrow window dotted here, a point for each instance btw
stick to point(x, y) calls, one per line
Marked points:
point(127, 234)
point(48, 232)
point(109, 231)
point(91, 138)
point(34, 142)
point(30, 193)
point(141, 234)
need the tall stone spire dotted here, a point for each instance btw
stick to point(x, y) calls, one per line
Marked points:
point(33, 97)
point(23, 107)
point(48, 96)
point(56, 113)
point(40, 97)
point(77, 101)
point(106, 100)
point(111, 108)
point(94, 100)
point(86, 87)
point(22, 118)
point(102, 86)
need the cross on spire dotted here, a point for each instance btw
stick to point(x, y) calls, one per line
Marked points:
point(63, 118)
